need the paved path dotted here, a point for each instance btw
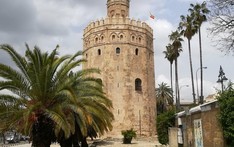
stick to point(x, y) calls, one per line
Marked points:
point(148, 142)
point(28, 145)
point(134, 143)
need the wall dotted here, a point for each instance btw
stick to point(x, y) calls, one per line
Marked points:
point(201, 123)
point(173, 137)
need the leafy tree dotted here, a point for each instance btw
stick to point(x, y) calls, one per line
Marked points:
point(170, 56)
point(176, 45)
point(222, 20)
point(164, 97)
point(188, 30)
point(226, 116)
point(164, 121)
point(49, 100)
point(198, 13)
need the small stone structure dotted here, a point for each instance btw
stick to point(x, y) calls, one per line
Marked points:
point(122, 48)
point(200, 126)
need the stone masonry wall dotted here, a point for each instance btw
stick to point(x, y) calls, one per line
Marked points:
point(119, 70)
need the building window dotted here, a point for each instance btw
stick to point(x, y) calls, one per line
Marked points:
point(133, 38)
point(123, 13)
point(136, 51)
point(113, 37)
point(96, 40)
point(138, 86)
point(117, 50)
point(99, 51)
point(139, 40)
point(112, 13)
point(121, 37)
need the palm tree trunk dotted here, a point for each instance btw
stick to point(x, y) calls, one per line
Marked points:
point(42, 132)
point(177, 86)
point(84, 142)
point(201, 66)
point(171, 81)
point(191, 70)
point(66, 142)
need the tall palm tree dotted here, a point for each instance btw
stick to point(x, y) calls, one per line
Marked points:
point(169, 55)
point(176, 39)
point(49, 99)
point(164, 97)
point(188, 30)
point(198, 13)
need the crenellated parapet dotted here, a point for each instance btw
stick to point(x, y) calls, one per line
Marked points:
point(118, 30)
point(118, 21)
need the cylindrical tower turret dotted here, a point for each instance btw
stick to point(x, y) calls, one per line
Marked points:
point(122, 48)
point(118, 8)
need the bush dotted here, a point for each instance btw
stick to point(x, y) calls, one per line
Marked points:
point(226, 116)
point(164, 121)
point(128, 135)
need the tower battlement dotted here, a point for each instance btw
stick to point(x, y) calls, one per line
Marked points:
point(118, 21)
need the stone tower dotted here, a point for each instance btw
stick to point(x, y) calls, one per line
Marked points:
point(122, 48)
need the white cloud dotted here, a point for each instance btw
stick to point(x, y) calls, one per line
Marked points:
point(162, 78)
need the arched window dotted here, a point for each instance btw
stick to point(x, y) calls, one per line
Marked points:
point(112, 13)
point(113, 37)
point(99, 52)
point(136, 51)
point(138, 84)
point(140, 40)
point(121, 37)
point(133, 38)
point(122, 13)
point(96, 40)
point(117, 50)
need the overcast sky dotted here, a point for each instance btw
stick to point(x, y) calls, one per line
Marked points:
point(46, 23)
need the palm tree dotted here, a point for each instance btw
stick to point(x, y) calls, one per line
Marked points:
point(188, 30)
point(170, 57)
point(176, 39)
point(164, 97)
point(49, 100)
point(198, 13)
point(92, 103)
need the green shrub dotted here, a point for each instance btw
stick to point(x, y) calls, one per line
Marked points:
point(226, 116)
point(129, 133)
point(164, 121)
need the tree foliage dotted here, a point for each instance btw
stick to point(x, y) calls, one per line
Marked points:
point(175, 38)
point(164, 121)
point(226, 116)
point(49, 100)
point(188, 30)
point(164, 97)
point(222, 20)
